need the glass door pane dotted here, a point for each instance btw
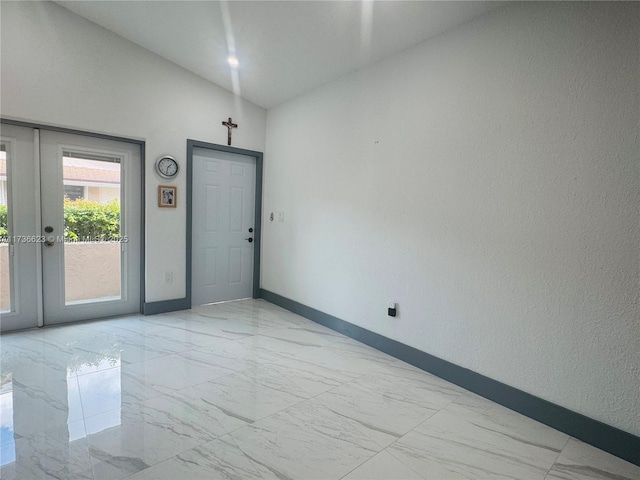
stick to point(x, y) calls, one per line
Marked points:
point(92, 226)
point(5, 233)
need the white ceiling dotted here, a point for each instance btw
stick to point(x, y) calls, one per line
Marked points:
point(285, 48)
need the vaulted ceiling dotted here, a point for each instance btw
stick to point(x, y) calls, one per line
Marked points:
point(284, 48)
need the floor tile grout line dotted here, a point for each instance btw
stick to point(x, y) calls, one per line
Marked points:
point(281, 410)
point(361, 464)
point(169, 458)
point(555, 461)
point(402, 461)
point(246, 455)
point(436, 412)
point(444, 408)
point(417, 426)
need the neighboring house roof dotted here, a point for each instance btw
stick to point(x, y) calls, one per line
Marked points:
point(80, 174)
point(91, 175)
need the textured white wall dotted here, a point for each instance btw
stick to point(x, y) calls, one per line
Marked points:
point(59, 69)
point(487, 181)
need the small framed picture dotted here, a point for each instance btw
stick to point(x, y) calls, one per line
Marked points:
point(167, 196)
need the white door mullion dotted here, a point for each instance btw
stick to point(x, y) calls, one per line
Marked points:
point(38, 219)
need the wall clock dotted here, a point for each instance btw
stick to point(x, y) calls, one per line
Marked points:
point(167, 167)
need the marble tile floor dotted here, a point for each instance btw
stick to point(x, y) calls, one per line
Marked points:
point(247, 390)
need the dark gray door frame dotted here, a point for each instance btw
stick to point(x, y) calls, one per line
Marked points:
point(191, 144)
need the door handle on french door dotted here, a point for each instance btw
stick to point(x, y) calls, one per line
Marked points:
point(249, 240)
point(49, 240)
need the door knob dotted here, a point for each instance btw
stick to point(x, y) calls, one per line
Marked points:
point(249, 240)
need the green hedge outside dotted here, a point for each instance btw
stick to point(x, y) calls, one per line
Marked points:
point(83, 219)
point(3, 220)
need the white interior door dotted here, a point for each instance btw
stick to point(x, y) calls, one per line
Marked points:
point(75, 215)
point(223, 198)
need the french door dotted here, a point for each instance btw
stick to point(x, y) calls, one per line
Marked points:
point(71, 236)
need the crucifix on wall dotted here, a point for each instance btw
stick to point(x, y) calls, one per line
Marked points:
point(229, 124)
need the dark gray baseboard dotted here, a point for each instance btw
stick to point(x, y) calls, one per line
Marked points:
point(598, 434)
point(164, 306)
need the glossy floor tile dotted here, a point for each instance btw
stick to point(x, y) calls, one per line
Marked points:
point(247, 390)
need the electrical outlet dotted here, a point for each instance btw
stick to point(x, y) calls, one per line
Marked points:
point(168, 277)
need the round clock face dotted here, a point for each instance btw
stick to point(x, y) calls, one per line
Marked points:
point(167, 167)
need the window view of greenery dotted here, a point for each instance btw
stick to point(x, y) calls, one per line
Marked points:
point(85, 219)
point(92, 231)
point(5, 259)
point(92, 254)
point(3, 220)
